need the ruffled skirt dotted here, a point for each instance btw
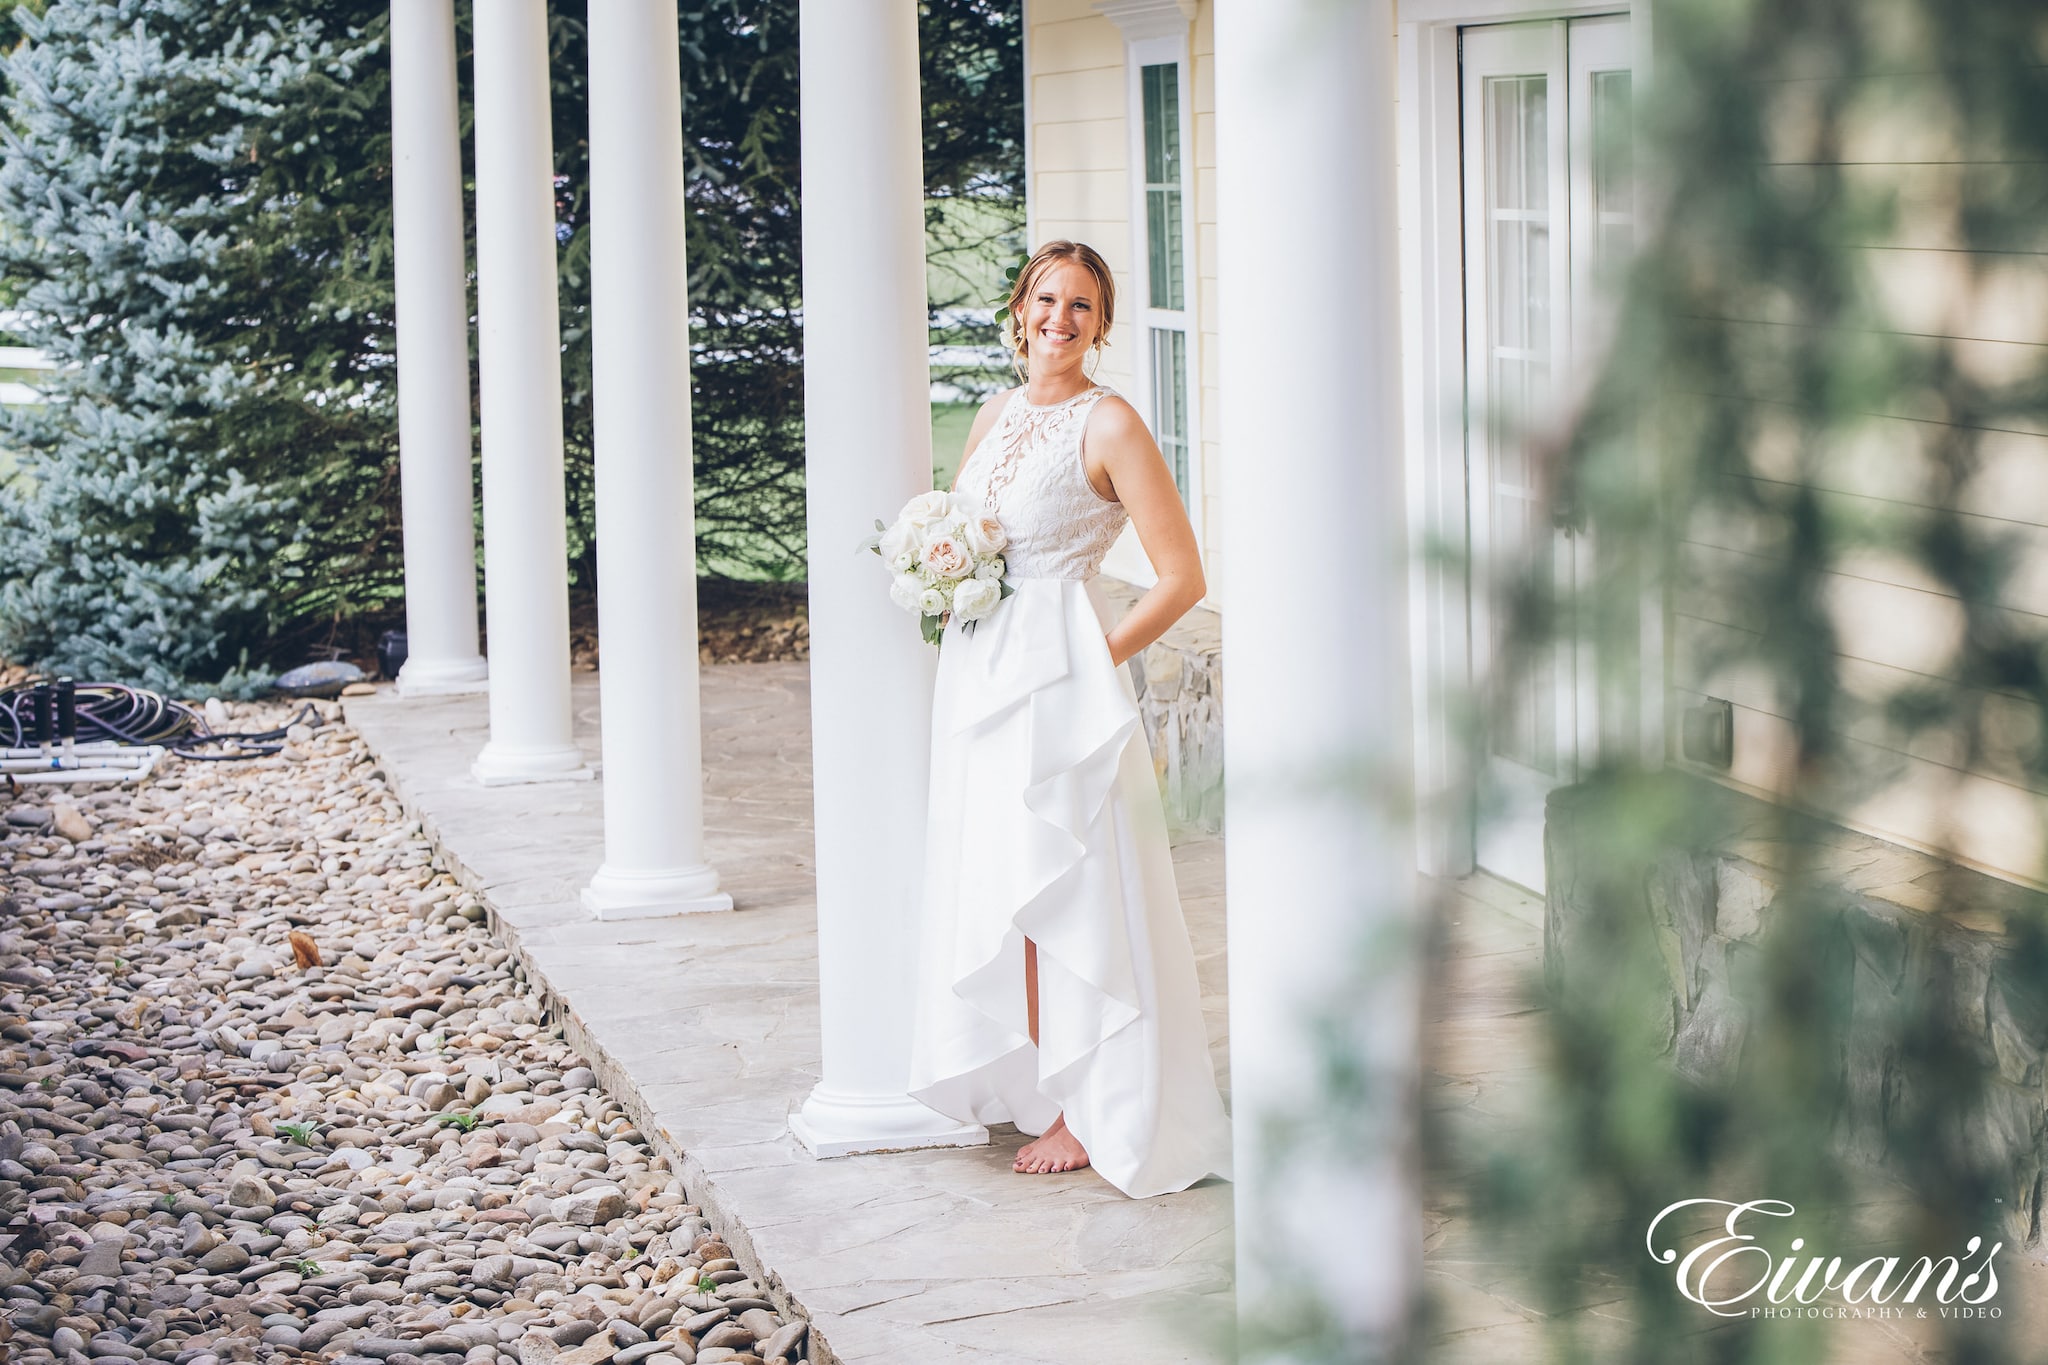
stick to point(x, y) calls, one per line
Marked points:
point(1045, 823)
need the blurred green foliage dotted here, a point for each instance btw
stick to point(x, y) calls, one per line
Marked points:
point(1774, 382)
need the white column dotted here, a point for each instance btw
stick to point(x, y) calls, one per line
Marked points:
point(433, 356)
point(646, 544)
point(1321, 873)
point(867, 422)
point(526, 572)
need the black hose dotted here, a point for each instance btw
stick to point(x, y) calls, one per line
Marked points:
point(135, 715)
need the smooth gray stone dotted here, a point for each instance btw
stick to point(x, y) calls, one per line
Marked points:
point(575, 1332)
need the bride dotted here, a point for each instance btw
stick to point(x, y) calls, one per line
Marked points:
point(1056, 985)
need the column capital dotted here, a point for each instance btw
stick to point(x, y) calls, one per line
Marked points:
point(1148, 18)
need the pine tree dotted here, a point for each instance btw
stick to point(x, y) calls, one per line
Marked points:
point(195, 225)
point(188, 232)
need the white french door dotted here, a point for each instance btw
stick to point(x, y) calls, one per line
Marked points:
point(1543, 132)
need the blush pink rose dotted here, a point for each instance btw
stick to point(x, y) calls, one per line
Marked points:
point(947, 556)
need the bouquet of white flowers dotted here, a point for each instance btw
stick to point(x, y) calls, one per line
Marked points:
point(946, 552)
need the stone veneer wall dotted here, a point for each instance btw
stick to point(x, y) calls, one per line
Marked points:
point(1180, 697)
point(1905, 921)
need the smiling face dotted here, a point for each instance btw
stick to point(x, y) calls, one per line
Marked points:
point(1061, 317)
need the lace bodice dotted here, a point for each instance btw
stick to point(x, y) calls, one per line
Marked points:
point(1028, 471)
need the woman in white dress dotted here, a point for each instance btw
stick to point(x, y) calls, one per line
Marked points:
point(1056, 983)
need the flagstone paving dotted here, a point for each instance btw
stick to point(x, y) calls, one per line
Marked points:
point(707, 1026)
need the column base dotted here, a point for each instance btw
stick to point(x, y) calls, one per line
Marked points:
point(504, 766)
point(443, 677)
point(617, 894)
point(832, 1125)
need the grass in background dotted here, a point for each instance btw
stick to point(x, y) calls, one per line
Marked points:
point(950, 425)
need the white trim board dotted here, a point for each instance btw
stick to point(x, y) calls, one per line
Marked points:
point(1126, 558)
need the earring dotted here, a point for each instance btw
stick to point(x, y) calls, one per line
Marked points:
point(1097, 352)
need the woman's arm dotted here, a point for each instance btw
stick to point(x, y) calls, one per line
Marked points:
point(1116, 442)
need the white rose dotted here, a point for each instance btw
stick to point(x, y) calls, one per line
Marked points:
point(946, 555)
point(927, 510)
point(904, 562)
point(899, 542)
point(905, 590)
point(989, 569)
point(975, 598)
point(931, 602)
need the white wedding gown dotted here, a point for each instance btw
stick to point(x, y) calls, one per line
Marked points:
point(1045, 822)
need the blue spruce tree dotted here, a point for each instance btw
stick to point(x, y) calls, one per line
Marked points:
point(189, 230)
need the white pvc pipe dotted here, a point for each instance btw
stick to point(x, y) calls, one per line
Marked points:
point(867, 419)
point(526, 576)
point(1321, 876)
point(433, 356)
point(646, 546)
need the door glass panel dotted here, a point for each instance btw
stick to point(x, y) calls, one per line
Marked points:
point(1518, 247)
point(1614, 204)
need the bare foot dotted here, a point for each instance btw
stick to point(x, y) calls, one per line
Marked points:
point(1057, 1150)
point(1029, 1151)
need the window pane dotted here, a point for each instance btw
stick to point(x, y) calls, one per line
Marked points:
point(1170, 401)
point(1159, 99)
point(1163, 243)
point(1614, 205)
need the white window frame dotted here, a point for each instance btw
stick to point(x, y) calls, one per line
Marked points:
point(1127, 559)
point(1433, 400)
point(1030, 131)
point(1140, 53)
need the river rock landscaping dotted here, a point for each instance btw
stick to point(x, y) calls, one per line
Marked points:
point(270, 1091)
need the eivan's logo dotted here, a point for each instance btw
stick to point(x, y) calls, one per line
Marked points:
point(1726, 1274)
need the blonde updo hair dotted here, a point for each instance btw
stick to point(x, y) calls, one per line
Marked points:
point(1042, 260)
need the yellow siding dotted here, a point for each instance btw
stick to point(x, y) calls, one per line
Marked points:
point(1091, 93)
point(1897, 626)
point(1086, 196)
point(1058, 11)
point(1075, 44)
point(1082, 145)
point(1967, 815)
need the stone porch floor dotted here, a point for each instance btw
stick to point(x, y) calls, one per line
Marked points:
point(706, 1027)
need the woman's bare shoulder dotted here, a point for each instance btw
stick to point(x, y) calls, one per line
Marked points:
point(1114, 423)
point(1115, 416)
